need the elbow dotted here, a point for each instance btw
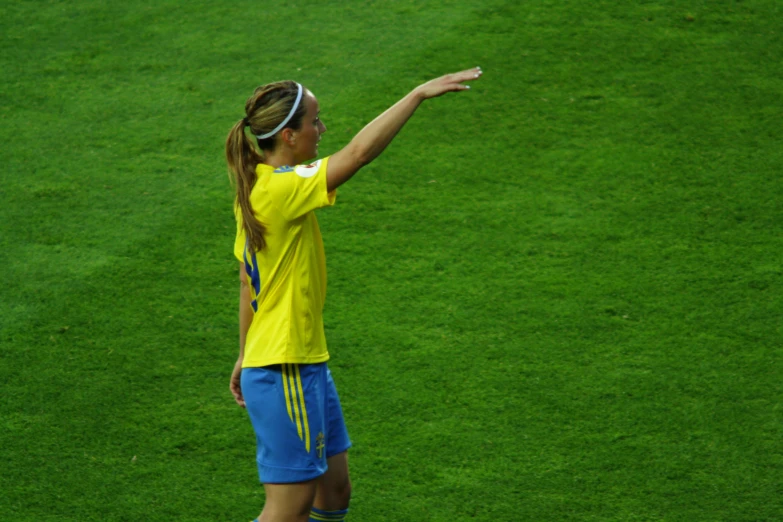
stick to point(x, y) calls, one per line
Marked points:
point(363, 160)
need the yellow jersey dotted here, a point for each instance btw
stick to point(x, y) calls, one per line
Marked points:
point(288, 276)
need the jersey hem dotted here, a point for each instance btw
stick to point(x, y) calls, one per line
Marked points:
point(268, 362)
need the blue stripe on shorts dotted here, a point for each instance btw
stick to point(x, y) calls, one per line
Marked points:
point(298, 420)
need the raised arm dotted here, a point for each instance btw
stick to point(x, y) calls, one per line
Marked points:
point(376, 136)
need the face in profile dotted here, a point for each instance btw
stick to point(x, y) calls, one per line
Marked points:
point(308, 136)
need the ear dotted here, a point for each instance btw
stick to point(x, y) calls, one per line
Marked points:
point(288, 136)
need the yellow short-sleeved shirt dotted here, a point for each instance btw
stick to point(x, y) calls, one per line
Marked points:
point(287, 277)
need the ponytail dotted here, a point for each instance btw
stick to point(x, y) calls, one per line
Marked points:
point(242, 160)
point(270, 106)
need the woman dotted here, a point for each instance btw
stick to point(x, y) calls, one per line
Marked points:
point(281, 375)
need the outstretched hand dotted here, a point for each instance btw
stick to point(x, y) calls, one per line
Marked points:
point(448, 83)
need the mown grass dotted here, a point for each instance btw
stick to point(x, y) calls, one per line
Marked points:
point(556, 297)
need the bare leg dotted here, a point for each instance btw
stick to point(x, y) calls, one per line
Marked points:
point(288, 502)
point(333, 491)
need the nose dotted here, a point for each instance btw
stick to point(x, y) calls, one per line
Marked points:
point(323, 127)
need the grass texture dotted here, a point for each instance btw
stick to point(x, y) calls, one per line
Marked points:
point(555, 297)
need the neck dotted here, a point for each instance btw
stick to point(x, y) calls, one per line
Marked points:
point(280, 158)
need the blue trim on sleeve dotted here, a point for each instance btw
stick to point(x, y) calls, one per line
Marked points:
point(253, 273)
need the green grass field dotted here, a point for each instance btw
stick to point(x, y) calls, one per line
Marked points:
point(556, 297)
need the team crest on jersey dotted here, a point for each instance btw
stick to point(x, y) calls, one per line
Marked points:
point(283, 169)
point(319, 444)
point(308, 171)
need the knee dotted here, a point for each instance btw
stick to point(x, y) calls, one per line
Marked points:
point(334, 495)
point(344, 494)
point(334, 488)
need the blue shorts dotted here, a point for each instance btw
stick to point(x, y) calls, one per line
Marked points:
point(297, 418)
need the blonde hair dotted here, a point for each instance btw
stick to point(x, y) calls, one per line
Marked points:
point(265, 109)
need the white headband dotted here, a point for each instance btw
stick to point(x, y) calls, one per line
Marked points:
point(287, 118)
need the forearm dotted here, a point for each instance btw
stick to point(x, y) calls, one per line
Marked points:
point(245, 316)
point(377, 134)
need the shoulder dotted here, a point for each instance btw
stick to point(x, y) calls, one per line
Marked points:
point(303, 171)
point(308, 171)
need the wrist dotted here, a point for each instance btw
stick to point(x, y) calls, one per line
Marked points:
point(418, 95)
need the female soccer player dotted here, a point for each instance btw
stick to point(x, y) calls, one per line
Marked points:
point(281, 375)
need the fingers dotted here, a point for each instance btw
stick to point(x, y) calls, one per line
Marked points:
point(238, 398)
point(236, 391)
point(470, 74)
point(465, 76)
point(449, 83)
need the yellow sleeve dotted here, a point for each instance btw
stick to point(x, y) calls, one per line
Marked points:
point(299, 190)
